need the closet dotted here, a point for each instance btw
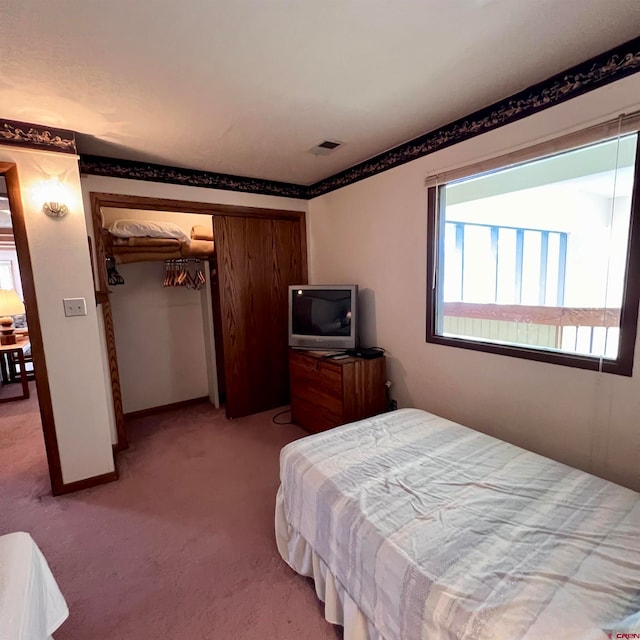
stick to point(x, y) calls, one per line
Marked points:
point(159, 306)
point(258, 258)
point(258, 253)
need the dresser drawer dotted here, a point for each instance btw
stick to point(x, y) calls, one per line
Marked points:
point(322, 386)
point(326, 393)
point(317, 371)
point(312, 416)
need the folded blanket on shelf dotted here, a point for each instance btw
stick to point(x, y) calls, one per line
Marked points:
point(146, 256)
point(202, 232)
point(197, 249)
point(151, 249)
point(166, 243)
point(147, 248)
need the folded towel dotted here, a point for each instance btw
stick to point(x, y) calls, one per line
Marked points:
point(198, 249)
point(146, 256)
point(162, 249)
point(202, 232)
point(170, 243)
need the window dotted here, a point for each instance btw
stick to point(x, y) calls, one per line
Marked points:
point(540, 259)
point(6, 275)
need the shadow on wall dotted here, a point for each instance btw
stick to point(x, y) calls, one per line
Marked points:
point(398, 376)
point(369, 338)
point(367, 326)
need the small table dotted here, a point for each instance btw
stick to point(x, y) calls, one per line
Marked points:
point(18, 350)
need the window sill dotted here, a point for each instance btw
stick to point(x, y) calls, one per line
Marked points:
point(592, 363)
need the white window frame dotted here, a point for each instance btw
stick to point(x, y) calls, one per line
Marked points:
point(7, 278)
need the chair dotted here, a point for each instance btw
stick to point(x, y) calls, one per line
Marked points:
point(13, 366)
point(9, 363)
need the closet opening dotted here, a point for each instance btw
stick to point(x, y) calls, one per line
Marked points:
point(154, 268)
point(194, 303)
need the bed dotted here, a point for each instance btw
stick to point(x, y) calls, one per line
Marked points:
point(31, 605)
point(417, 528)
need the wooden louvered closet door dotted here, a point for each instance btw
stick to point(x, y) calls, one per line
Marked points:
point(258, 258)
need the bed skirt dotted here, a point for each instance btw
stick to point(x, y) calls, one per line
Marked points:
point(339, 608)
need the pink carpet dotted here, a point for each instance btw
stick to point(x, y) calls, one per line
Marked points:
point(181, 547)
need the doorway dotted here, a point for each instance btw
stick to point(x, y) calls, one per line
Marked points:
point(26, 413)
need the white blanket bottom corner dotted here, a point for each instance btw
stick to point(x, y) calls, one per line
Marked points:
point(339, 607)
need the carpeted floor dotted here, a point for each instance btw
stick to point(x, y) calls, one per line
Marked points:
point(181, 547)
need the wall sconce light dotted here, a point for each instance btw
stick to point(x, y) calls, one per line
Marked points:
point(54, 206)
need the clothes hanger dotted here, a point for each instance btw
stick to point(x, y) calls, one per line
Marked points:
point(178, 274)
point(113, 277)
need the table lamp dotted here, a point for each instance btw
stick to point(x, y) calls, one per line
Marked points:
point(10, 305)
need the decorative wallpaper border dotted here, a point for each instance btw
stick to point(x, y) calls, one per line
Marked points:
point(597, 72)
point(35, 136)
point(132, 170)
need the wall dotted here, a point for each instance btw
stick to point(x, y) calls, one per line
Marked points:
point(141, 188)
point(61, 268)
point(159, 339)
point(374, 233)
point(158, 329)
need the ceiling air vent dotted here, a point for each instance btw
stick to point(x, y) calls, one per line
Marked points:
point(325, 147)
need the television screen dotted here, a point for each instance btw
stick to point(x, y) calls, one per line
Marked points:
point(322, 316)
point(321, 312)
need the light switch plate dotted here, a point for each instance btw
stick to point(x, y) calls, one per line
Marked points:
point(74, 307)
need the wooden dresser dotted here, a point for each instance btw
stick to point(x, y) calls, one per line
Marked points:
point(326, 393)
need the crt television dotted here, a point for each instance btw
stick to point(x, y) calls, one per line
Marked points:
point(323, 316)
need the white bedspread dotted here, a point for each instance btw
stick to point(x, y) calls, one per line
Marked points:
point(31, 605)
point(438, 532)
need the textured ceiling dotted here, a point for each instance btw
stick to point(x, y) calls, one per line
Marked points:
point(246, 87)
